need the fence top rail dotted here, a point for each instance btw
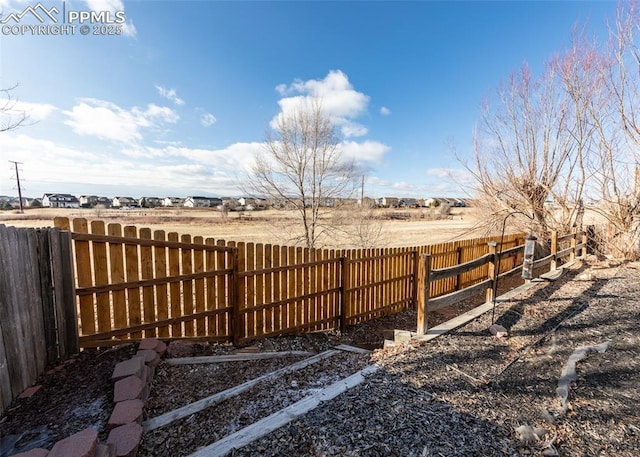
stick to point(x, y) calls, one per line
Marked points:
point(147, 242)
point(511, 251)
point(564, 252)
point(408, 253)
point(443, 273)
point(569, 236)
point(293, 266)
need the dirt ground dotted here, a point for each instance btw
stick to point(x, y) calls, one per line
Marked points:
point(465, 393)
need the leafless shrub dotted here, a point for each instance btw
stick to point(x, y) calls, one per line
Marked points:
point(358, 227)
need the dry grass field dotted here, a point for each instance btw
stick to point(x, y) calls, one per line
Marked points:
point(398, 227)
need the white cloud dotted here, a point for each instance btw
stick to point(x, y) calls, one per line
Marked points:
point(282, 89)
point(208, 119)
point(45, 161)
point(155, 112)
point(453, 177)
point(237, 156)
point(113, 5)
point(351, 129)
point(385, 111)
point(51, 167)
point(450, 173)
point(107, 120)
point(377, 181)
point(169, 94)
point(337, 96)
point(367, 151)
point(14, 4)
point(33, 111)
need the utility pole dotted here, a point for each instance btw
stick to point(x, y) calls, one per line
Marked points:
point(18, 181)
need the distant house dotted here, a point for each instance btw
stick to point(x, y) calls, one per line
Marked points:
point(60, 201)
point(367, 202)
point(91, 201)
point(88, 201)
point(408, 203)
point(329, 202)
point(197, 202)
point(251, 203)
point(14, 202)
point(261, 203)
point(150, 202)
point(5, 202)
point(229, 203)
point(104, 201)
point(172, 201)
point(388, 202)
point(431, 202)
point(122, 202)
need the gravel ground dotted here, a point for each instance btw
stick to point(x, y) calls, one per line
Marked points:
point(464, 393)
point(470, 394)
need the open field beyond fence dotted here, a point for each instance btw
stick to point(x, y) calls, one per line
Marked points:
point(399, 227)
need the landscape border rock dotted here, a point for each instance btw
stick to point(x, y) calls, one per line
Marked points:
point(132, 379)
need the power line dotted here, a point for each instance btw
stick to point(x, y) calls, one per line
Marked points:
point(18, 182)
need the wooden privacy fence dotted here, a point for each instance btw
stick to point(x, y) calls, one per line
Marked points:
point(499, 262)
point(37, 312)
point(133, 283)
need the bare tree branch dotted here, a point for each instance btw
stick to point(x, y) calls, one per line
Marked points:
point(11, 118)
point(303, 166)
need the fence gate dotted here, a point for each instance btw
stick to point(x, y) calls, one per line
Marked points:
point(38, 324)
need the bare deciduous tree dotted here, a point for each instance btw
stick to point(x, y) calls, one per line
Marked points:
point(11, 117)
point(579, 76)
point(303, 166)
point(616, 166)
point(524, 152)
point(573, 131)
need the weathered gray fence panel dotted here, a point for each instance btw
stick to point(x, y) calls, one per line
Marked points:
point(65, 292)
point(37, 310)
point(6, 394)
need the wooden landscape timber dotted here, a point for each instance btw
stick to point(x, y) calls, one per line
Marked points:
point(235, 357)
point(192, 408)
point(276, 420)
point(355, 350)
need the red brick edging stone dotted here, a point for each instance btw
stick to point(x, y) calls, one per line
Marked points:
point(132, 379)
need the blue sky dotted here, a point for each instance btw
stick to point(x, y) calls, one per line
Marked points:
point(179, 102)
